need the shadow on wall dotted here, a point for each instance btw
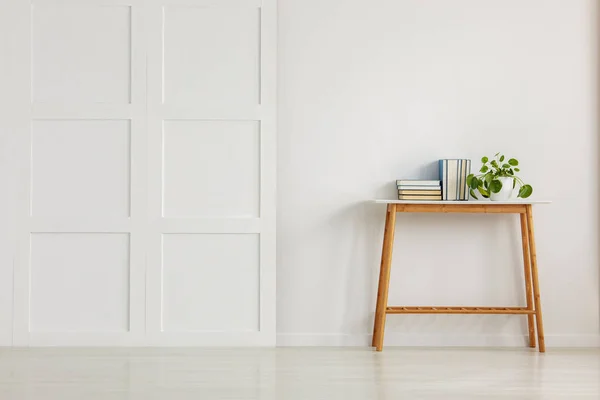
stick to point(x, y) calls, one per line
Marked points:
point(426, 171)
point(494, 231)
point(354, 261)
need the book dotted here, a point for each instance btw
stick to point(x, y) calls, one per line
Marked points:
point(465, 170)
point(442, 168)
point(415, 187)
point(461, 180)
point(419, 197)
point(452, 178)
point(421, 192)
point(417, 182)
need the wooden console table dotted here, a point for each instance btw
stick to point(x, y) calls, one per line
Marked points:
point(532, 289)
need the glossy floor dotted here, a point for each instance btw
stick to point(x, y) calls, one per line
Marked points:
point(298, 373)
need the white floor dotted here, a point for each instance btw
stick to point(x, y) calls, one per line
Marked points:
point(298, 373)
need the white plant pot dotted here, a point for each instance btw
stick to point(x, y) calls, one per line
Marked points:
point(506, 192)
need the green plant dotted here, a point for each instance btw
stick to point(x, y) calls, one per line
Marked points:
point(487, 181)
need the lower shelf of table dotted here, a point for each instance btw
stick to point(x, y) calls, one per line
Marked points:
point(458, 310)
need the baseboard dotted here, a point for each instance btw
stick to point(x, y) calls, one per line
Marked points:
point(437, 340)
point(159, 339)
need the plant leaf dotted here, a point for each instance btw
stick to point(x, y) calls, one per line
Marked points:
point(495, 186)
point(474, 183)
point(506, 166)
point(510, 172)
point(525, 191)
point(517, 170)
point(470, 179)
point(514, 183)
point(484, 159)
point(488, 178)
point(494, 164)
point(473, 194)
point(496, 155)
point(483, 192)
point(513, 162)
point(502, 158)
point(484, 169)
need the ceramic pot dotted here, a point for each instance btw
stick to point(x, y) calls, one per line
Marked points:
point(506, 192)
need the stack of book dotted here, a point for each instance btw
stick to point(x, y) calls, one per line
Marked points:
point(453, 174)
point(409, 189)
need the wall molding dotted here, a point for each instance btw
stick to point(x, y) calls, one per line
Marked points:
point(143, 339)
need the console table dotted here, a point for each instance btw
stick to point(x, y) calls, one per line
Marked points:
point(532, 289)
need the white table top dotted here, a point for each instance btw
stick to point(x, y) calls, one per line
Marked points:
point(463, 203)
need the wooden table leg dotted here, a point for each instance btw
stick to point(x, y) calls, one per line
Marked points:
point(384, 277)
point(536, 285)
point(528, 289)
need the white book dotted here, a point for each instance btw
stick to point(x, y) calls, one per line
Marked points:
point(416, 182)
point(425, 187)
point(462, 180)
point(452, 179)
point(466, 173)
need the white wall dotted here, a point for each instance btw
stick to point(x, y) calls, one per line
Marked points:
point(374, 91)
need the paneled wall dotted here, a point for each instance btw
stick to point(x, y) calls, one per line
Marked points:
point(142, 172)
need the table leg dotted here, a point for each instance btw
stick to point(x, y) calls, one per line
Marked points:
point(536, 285)
point(528, 288)
point(384, 277)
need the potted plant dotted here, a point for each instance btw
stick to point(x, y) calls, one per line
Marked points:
point(497, 179)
